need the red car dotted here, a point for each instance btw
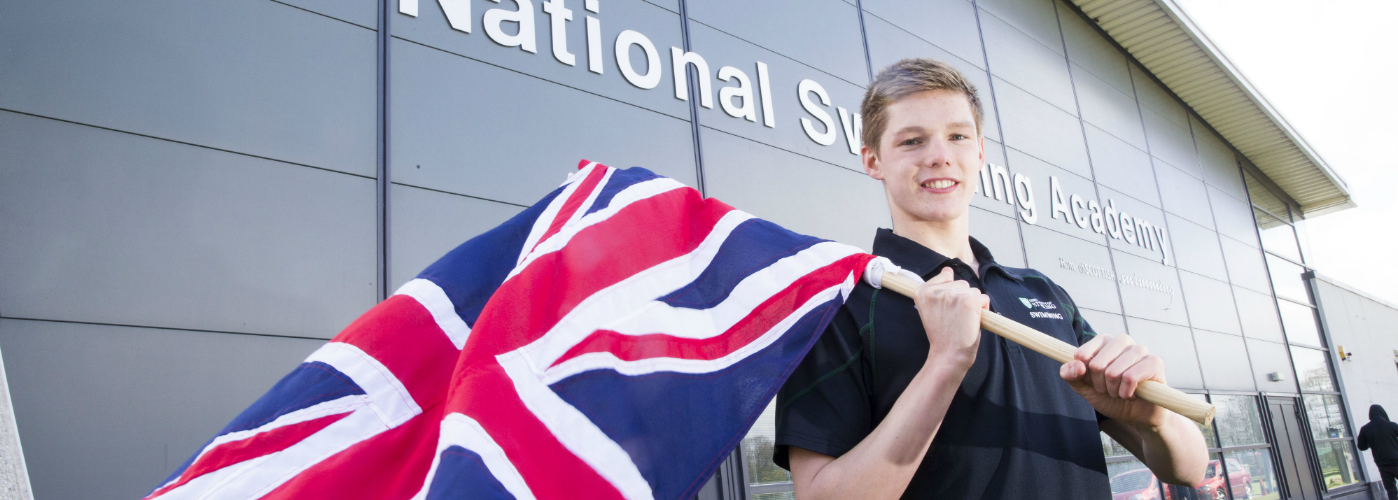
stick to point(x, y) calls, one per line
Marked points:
point(1213, 487)
point(1139, 484)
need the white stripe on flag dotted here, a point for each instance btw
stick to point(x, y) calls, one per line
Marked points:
point(257, 477)
point(632, 194)
point(545, 220)
point(607, 360)
point(623, 299)
point(461, 430)
point(572, 428)
point(333, 407)
point(387, 396)
point(435, 300)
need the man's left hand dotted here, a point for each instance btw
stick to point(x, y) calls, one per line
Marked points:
point(1106, 372)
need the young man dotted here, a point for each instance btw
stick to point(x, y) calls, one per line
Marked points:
point(910, 398)
point(1380, 436)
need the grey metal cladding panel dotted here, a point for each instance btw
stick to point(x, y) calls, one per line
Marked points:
point(1223, 363)
point(362, 12)
point(660, 26)
point(1134, 209)
point(1234, 217)
point(1106, 107)
point(109, 227)
point(1183, 195)
point(799, 193)
point(1048, 249)
point(1035, 18)
point(1156, 98)
point(1219, 164)
point(1104, 323)
point(259, 78)
point(1040, 129)
point(1121, 166)
point(948, 24)
point(1028, 64)
point(1174, 345)
point(1245, 266)
point(985, 199)
point(721, 49)
point(109, 412)
point(1093, 52)
point(1039, 174)
point(1210, 304)
point(1172, 143)
point(889, 44)
point(670, 5)
point(470, 128)
point(1258, 313)
point(1196, 248)
point(1141, 295)
point(428, 224)
point(998, 233)
point(1269, 357)
point(821, 33)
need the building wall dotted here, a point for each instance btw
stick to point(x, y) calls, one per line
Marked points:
point(1365, 328)
point(188, 191)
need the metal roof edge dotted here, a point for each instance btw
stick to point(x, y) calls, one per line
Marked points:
point(1181, 17)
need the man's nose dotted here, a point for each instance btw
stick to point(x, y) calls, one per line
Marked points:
point(936, 154)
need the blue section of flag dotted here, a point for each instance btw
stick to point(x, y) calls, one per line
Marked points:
point(621, 179)
point(675, 438)
point(462, 475)
point(751, 247)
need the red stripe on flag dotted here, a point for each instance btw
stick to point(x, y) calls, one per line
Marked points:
point(402, 335)
point(257, 445)
point(634, 239)
point(486, 394)
point(573, 203)
point(388, 466)
point(762, 318)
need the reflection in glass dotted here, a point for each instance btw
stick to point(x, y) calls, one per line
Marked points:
point(1210, 440)
point(1238, 421)
point(1111, 448)
point(1313, 370)
point(1252, 474)
point(1286, 279)
point(1217, 480)
point(1131, 479)
point(1277, 237)
point(757, 449)
point(1324, 413)
point(1304, 238)
point(785, 495)
point(1299, 322)
point(1337, 465)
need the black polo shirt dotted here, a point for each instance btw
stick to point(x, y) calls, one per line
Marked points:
point(1014, 430)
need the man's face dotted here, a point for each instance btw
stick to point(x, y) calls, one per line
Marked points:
point(929, 157)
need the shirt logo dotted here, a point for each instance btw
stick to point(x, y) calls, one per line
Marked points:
point(1041, 304)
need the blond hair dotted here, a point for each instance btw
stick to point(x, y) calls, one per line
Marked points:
point(905, 78)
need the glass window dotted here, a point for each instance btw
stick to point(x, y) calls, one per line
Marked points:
point(1304, 238)
point(1277, 236)
point(1337, 464)
point(1286, 279)
point(1313, 369)
point(1299, 322)
point(1252, 474)
point(1323, 410)
point(1238, 421)
point(757, 450)
point(1207, 430)
point(785, 495)
point(1131, 479)
point(1216, 481)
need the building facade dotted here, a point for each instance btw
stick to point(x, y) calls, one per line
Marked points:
point(194, 196)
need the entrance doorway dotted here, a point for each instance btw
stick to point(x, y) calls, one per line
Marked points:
point(1291, 449)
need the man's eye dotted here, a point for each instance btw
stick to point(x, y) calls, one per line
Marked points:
point(910, 142)
point(957, 137)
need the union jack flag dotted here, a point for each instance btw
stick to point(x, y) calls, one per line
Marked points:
point(615, 340)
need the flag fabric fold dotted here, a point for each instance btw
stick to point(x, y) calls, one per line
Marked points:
point(614, 340)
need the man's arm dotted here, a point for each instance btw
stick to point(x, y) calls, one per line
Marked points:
point(1106, 371)
point(882, 465)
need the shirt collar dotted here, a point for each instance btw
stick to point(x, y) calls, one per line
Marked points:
point(919, 259)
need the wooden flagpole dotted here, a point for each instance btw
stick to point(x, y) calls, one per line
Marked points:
point(1163, 395)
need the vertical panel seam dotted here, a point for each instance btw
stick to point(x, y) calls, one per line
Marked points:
point(864, 38)
point(999, 126)
point(381, 179)
point(694, 88)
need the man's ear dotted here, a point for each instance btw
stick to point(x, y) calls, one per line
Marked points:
point(871, 162)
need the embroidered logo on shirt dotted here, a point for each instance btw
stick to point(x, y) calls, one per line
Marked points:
point(1046, 305)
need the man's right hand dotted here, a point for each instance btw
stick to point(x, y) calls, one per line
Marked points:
point(951, 315)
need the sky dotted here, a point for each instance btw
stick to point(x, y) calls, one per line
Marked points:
point(1331, 69)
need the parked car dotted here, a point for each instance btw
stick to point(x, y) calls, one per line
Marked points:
point(1214, 487)
point(1139, 484)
